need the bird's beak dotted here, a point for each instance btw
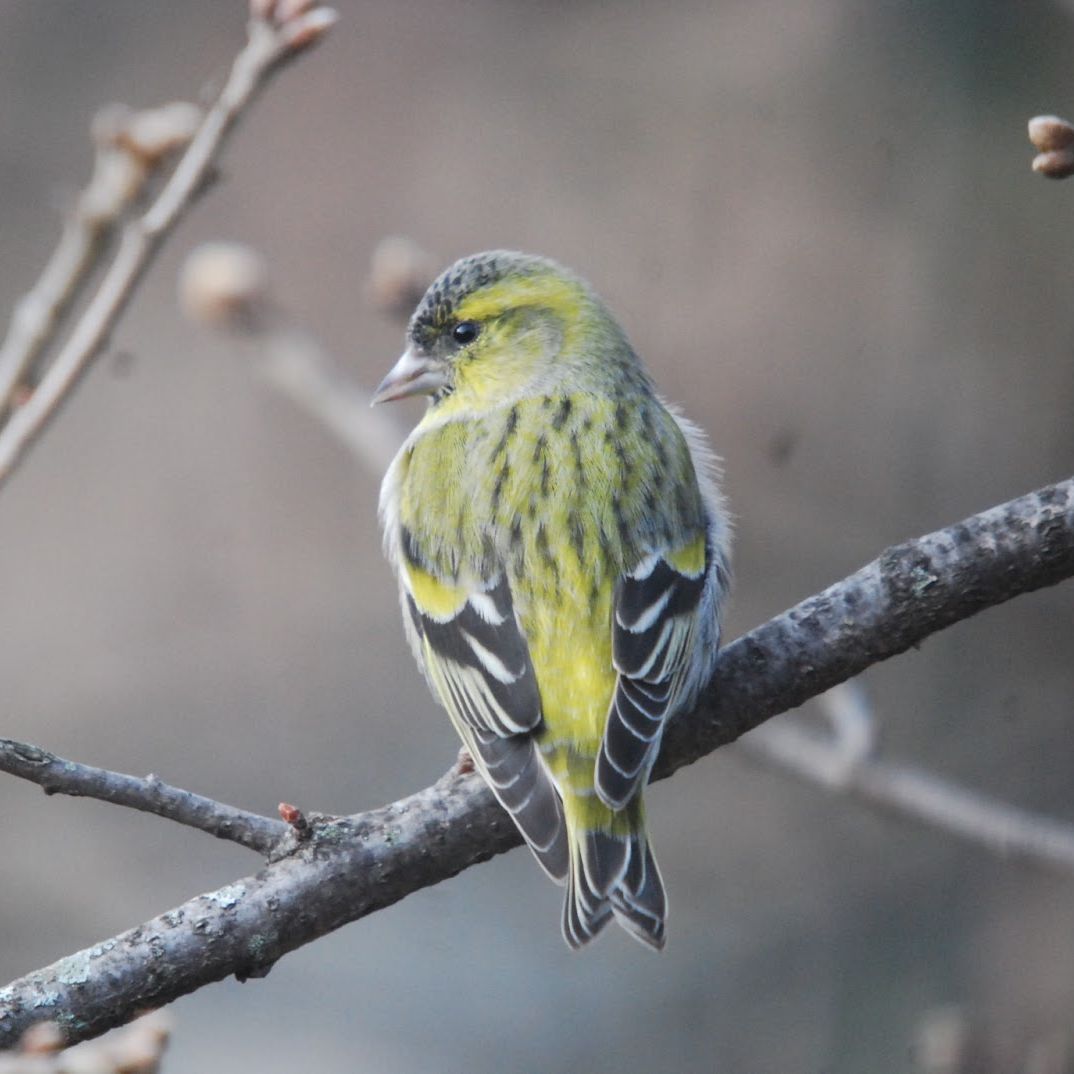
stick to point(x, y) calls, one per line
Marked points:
point(413, 374)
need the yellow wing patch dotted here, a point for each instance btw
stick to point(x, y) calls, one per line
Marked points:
point(690, 559)
point(438, 600)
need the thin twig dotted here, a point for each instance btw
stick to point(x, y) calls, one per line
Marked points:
point(268, 44)
point(150, 795)
point(224, 286)
point(1004, 829)
point(350, 868)
point(296, 365)
point(852, 721)
point(135, 1049)
point(130, 149)
point(911, 793)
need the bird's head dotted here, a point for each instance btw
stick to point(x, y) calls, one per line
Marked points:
point(497, 326)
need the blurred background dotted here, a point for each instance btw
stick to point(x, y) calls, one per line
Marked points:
point(818, 224)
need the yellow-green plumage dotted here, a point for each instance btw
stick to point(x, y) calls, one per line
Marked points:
point(545, 473)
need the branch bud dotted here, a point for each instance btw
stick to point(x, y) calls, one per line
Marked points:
point(306, 28)
point(130, 145)
point(1051, 132)
point(400, 271)
point(118, 179)
point(294, 816)
point(286, 10)
point(1054, 137)
point(107, 126)
point(42, 1038)
point(140, 1045)
point(153, 133)
point(1058, 164)
point(223, 285)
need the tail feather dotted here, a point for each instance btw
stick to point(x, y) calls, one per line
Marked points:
point(604, 859)
point(611, 874)
point(513, 769)
point(640, 903)
point(584, 915)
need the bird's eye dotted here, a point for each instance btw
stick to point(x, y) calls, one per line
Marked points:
point(465, 332)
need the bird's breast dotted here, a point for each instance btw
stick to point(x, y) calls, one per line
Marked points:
point(563, 492)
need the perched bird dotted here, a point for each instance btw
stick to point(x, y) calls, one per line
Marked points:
point(561, 550)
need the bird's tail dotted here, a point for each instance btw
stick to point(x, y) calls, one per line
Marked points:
point(612, 873)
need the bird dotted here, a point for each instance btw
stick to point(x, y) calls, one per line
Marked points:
point(562, 552)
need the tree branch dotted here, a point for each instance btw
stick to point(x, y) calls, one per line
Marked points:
point(907, 791)
point(130, 149)
point(271, 40)
point(296, 365)
point(349, 868)
point(224, 286)
point(150, 795)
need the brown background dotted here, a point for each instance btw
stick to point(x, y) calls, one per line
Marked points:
point(818, 223)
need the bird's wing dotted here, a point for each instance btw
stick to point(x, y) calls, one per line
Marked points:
point(475, 652)
point(656, 609)
point(479, 664)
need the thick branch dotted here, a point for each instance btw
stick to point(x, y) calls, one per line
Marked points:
point(913, 590)
point(349, 868)
point(150, 795)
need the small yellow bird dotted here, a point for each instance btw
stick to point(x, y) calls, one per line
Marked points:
point(561, 548)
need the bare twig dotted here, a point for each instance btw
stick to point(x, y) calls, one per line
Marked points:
point(852, 721)
point(130, 148)
point(350, 868)
point(150, 795)
point(955, 1040)
point(831, 759)
point(271, 40)
point(224, 286)
point(135, 1049)
point(840, 764)
point(1011, 832)
point(296, 365)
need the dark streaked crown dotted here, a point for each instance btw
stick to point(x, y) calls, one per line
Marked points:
point(437, 308)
